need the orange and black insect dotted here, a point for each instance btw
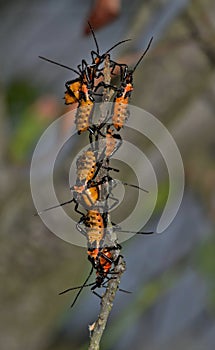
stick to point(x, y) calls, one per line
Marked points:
point(95, 224)
point(88, 195)
point(86, 171)
point(86, 167)
point(87, 190)
point(74, 91)
point(85, 195)
point(83, 118)
point(102, 260)
point(120, 111)
point(79, 90)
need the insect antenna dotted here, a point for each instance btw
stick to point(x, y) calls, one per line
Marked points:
point(138, 233)
point(118, 228)
point(59, 64)
point(55, 206)
point(119, 43)
point(134, 186)
point(96, 42)
point(125, 291)
point(94, 37)
point(144, 53)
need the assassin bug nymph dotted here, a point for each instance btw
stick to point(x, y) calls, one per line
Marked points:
point(88, 195)
point(97, 229)
point(86, 190)
point(95, 224)
point(120, 111)
point(103, 260)
point(88, 165)
point(79, 91)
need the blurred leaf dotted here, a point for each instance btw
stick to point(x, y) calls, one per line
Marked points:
point(19, 95)
point(25, 137)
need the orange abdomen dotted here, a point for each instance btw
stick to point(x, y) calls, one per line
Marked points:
point(95, 228)
point(86, 166)
point(84, 116)
point(120, 113)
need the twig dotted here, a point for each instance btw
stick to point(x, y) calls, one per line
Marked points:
point(98, 327)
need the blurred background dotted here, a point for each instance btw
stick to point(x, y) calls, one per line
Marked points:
point(172, 276)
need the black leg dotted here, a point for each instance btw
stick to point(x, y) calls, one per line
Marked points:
point(98, 295)
point(76, 208)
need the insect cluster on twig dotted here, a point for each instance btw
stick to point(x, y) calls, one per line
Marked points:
point(92, 191)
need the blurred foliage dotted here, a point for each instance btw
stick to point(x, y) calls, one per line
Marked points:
point(205, 261)
point(24, 125)
point(19, 95)
point(25, 136)
point(28, 114)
